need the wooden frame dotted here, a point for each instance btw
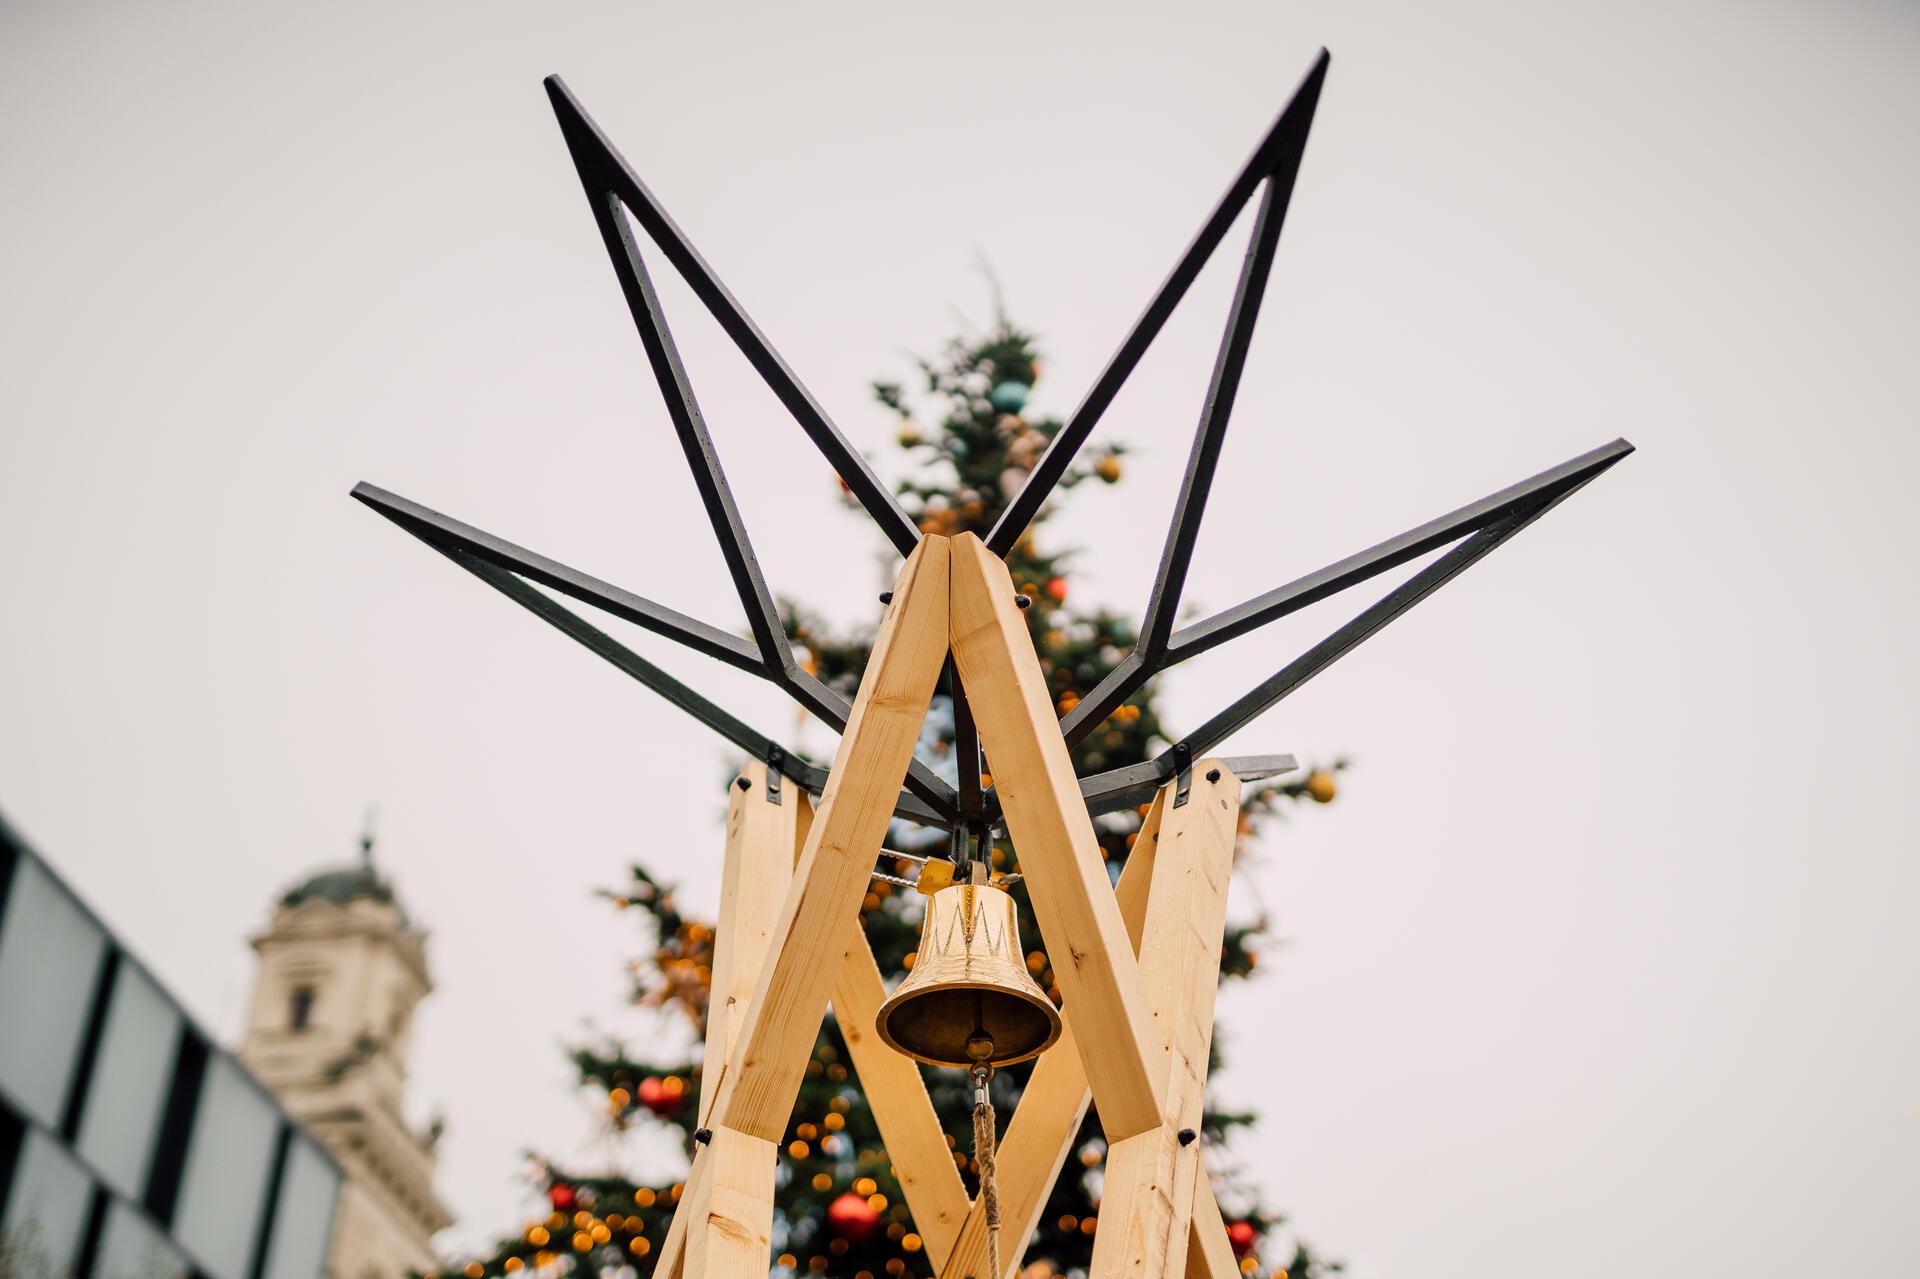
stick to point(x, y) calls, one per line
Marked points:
point(788, 942)
point(797, 934)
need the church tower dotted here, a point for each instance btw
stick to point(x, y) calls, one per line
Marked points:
point(340, 972)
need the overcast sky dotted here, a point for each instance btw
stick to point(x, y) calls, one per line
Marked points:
point(1606, 957)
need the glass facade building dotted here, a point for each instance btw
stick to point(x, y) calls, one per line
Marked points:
point(131, 1146)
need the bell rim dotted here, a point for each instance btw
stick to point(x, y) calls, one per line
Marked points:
point(1036, 997)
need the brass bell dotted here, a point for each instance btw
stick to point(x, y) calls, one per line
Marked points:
point(969, 999)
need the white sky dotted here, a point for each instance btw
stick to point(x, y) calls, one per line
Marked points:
point(1606, 959)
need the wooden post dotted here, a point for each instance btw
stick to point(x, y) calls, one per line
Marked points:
point(753, 886)
point(712, 1229)
point(1146, 1204)
point(730, 1212)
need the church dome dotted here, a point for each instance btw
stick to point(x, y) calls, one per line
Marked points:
point(343, 884)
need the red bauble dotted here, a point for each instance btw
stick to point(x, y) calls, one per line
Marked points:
point(852, 1217)
point(1243, 1237)
point(657, 1097)
point(561, 1196)
point(1057, 588)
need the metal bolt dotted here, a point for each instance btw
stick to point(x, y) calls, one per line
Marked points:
point(886, 597)
point(1213, 774)
point(1188, 1136)
point(743, 783)
point(703, 1135)
point(1024, 601)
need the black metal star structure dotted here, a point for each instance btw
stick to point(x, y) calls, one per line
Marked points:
point(611, 186)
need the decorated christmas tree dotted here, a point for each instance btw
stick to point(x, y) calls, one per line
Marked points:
point(970, 441)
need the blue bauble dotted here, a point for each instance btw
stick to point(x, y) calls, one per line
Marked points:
point(1008, 397)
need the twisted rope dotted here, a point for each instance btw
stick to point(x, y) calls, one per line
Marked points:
point(983, 1129)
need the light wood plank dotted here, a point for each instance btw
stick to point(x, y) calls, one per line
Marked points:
point(755, 1087)
point(762, 1076)
point(1209, 1254)
point(1136, 1208)
point(1065, 872)
point(1210, 835)
point(754, 878)
point(718, 1219)
point(756, 868)
point(730, 1231)
point(1147, 1196)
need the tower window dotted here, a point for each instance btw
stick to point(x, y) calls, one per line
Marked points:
point(300, 1008)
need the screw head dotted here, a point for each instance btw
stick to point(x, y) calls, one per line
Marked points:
point(886, 597)
point(703, 1135)
point(1023, 601)
point(743, 783)
point(1188, 1136)
point(1213, 774)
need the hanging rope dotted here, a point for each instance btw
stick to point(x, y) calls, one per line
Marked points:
point(983, 1128)
point(980, 1049)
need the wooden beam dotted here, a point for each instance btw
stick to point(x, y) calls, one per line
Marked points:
point(1045, 1124)
point(729, 1223)
point(754, 1091)
point(1209, 1253)
point(1147, 1194)
point(1205, 842)
point(754, 878)
point(762, 1076)
point(753, 886)
point(896, 1094)
point(730, 1230)
point(1059, 855)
